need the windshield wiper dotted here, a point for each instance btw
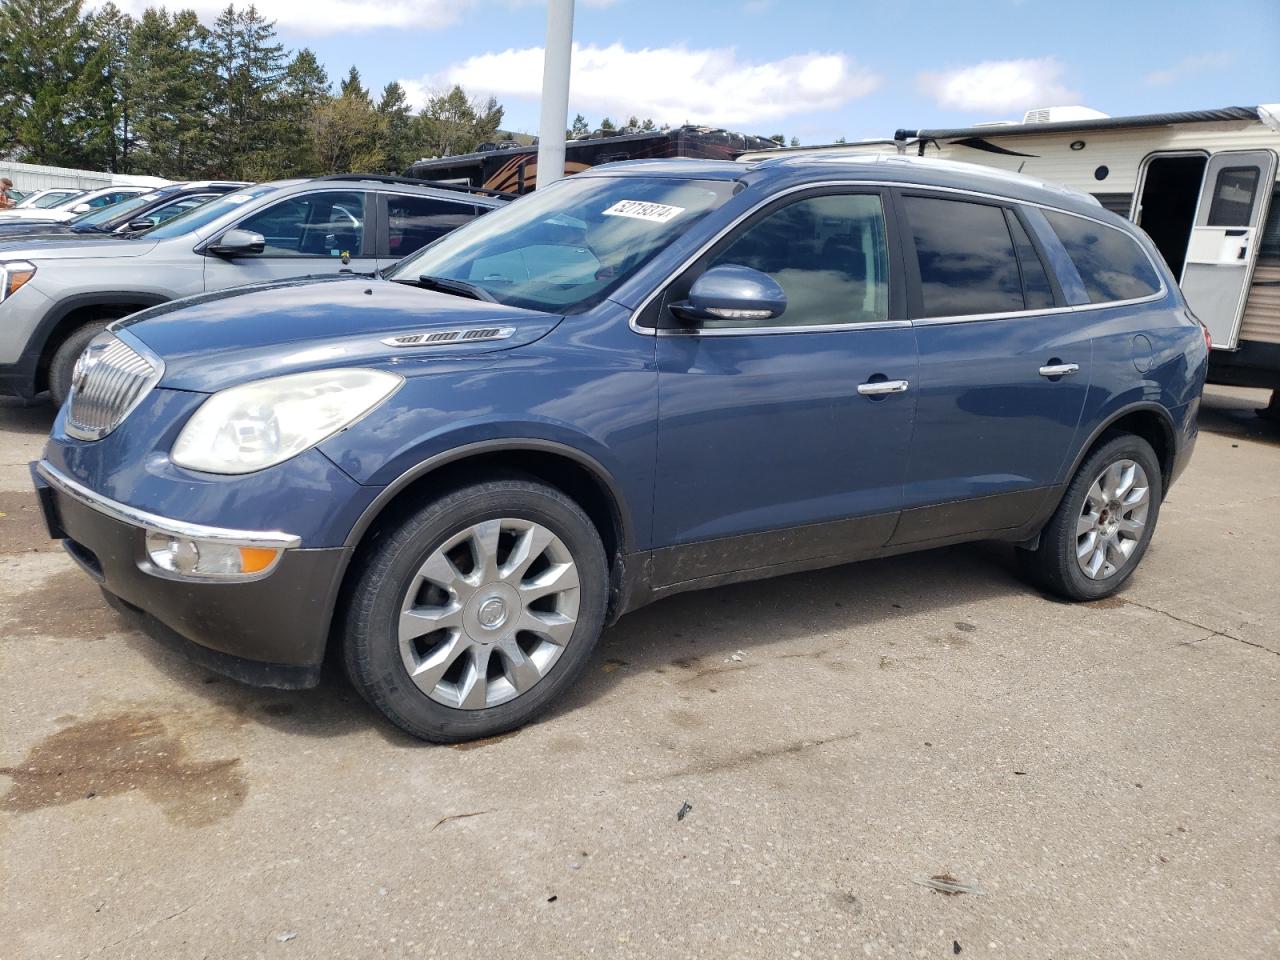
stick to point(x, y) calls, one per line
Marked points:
point(459, 288)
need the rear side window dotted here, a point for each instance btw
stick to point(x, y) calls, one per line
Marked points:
point(413, 221)
point(1109, 261)
point(966, 257)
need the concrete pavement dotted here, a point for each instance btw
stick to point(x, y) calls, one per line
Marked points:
point(1103, 779)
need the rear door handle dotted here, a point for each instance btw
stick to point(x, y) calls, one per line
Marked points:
point(878, 387)
point(1060, 370)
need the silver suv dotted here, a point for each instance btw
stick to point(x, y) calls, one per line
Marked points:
point(56, 294)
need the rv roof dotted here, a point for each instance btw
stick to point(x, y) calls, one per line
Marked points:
point(1107, 123)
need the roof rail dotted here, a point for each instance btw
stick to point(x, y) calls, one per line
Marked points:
point(411, 182)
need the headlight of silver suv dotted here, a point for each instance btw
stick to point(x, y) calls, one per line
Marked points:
point(13, 276)
point(255, 425)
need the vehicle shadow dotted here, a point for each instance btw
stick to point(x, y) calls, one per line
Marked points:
point(27, 418)
point(692, 634)
point(1232, 412)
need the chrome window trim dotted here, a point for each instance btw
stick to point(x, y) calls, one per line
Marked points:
point(633, 323)
point(271, 539)
point(767, 331)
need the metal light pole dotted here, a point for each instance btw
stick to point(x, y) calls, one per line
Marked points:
point(555, 91)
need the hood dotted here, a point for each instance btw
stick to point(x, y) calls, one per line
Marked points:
point(217, 340)
point(73, 246)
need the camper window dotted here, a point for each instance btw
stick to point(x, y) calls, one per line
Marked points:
point(1233, 197)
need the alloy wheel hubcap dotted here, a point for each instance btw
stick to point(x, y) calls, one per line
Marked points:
point(1112, 520)
point(489, 613)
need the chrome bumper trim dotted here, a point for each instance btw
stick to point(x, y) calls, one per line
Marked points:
point(276, 539)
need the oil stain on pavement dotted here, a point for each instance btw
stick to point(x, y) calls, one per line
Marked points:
point(114, 754)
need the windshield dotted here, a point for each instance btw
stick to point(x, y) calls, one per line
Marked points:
point(564, 248)
point(197, 217)
point(54, 198)
point(96, 217)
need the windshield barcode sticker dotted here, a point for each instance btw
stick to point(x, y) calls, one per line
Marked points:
point(644, 210)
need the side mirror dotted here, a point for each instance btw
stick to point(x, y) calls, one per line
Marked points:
point(142, 223)
point(81, 208)
point(238, 243)
point(732, 292)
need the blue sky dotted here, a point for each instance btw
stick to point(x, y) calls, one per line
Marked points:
point(811, 68)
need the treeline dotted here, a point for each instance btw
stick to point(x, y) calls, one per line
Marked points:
point(165, 95)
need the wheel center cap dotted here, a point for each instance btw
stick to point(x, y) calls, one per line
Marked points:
point(492, 613)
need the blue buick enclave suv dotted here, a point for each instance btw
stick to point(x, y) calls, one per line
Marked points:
point(647, 378)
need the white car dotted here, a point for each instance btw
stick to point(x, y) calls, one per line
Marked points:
point(47, 198)
point(76, 205)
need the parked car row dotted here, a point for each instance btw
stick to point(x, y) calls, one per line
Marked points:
point(60, 288)
point(648, 378)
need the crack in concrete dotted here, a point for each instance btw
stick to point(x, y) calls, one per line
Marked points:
point(1200, 626)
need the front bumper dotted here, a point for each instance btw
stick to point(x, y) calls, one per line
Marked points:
point(269, 631)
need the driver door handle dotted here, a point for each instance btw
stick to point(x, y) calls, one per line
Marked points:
point(878, 387)
point(1060, 370)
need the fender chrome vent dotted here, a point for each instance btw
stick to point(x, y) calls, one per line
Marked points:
point(441, 337)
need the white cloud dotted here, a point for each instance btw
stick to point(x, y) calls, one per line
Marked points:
point(670, 84)
point(1187, 67)
point(327, 16)
point(999, 85)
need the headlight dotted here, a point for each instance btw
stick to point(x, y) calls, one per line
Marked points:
point(13, 275)
point(255, 425)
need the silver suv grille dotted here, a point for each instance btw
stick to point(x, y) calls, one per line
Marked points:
point(110, 379)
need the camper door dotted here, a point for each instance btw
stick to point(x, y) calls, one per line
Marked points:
point(1225, 239)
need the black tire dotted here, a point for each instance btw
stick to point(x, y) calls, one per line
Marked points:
point(64, 359)
point(371, 649)
point(1053, 565)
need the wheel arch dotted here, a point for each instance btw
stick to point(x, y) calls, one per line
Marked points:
point(577, 473)
point(68, 314)
point(1148, 420)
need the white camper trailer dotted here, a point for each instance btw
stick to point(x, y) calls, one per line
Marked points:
point(1201, 184)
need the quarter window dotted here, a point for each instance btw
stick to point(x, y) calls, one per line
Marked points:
point(413, 222)
point(828, 254)
point(1109, 261)
point(1036, 289)
point(327, 224)
point(966, 258)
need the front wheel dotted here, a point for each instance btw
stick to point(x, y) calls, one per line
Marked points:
point(477, 610)
point(1101, 529)
point(63, 364)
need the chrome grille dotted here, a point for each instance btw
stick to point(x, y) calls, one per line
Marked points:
point(110, 379)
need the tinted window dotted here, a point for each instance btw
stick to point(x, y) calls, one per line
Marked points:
point(1109, 261)
point(327, 224)
point(413, 222)
point(1035, 281)
point(827, 253)
point(967, 263)
point(1233, 197)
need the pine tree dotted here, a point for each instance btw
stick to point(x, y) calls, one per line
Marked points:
point(397, 132)
point(451, 123)
point(249, 70)
point(580, 128)
point(110, 33)
point(48, 109)
point(354, 88)
point(167, 66)
point(304, 90)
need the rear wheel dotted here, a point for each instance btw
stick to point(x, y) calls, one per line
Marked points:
point(477, 610)
point(63, 364)
point(1101, 529)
